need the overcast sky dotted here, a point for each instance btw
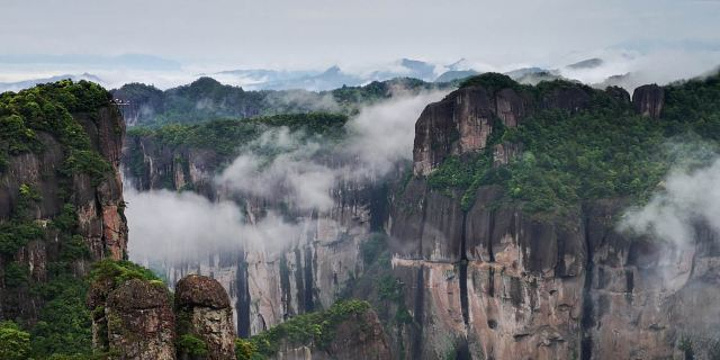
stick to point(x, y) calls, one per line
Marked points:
point(321, 32)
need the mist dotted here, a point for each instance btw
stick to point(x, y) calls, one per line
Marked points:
point(297, 169)
point(379, 137)
point(175, 227)
point(689, 198)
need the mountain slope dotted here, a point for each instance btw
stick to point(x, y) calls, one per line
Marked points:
point(61, 208)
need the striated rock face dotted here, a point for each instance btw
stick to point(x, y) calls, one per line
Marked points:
point(97, 202)
point(497, 282)
point(203, 310)
point(649, 100)
point(462, 122)
point(140, 321)
point(494, 282)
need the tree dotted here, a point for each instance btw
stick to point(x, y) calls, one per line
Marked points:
point(14, 343)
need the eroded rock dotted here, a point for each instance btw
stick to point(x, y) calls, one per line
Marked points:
point(649, 100)
point(203, 311)
point(140, 321)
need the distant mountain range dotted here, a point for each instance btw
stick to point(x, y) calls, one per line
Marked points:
point(335, 77)
point(20, 85)
point(594, 71)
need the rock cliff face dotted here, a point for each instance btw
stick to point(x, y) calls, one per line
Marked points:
point(495, 282)
point(36, 190)
point(649, 100)
point(462, 122)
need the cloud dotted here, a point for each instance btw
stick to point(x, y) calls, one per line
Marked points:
point(294, 166)
point(383, 134)
point(178, 227)
point(661, 66)
point(295, 171)
point(689, 198)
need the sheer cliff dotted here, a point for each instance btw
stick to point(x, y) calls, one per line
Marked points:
point(61, 205)
point(492, 270)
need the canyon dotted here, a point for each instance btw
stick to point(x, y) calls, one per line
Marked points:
point(485, 281)
point(389, 264)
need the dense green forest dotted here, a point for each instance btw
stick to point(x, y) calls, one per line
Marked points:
point(206, 99)
point(603, 151)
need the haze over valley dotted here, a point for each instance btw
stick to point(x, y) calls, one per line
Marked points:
point(185, 180)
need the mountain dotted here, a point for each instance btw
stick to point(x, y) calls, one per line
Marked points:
point(20, 85)
point(453, 75)
point(252, 77)
point(332, 78)
point(586, 64)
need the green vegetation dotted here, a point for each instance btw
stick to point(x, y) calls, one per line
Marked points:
point(48, 108)
point(118, 272)
point(245, 349)
point(317, 328)
point(225, 136)
point(191, 345)
point(492, 82)
point(64, 325)
point(14, 343)
point(604, 151)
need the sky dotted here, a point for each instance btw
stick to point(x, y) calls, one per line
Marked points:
point(295, 34)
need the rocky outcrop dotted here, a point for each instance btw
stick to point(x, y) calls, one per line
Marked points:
point(203, 310)
point(649, 100)
point(462, 122)
point(140, 321)
point(135, 319)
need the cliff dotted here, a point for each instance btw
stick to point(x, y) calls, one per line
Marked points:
point(61, 203)
point(489, 276)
